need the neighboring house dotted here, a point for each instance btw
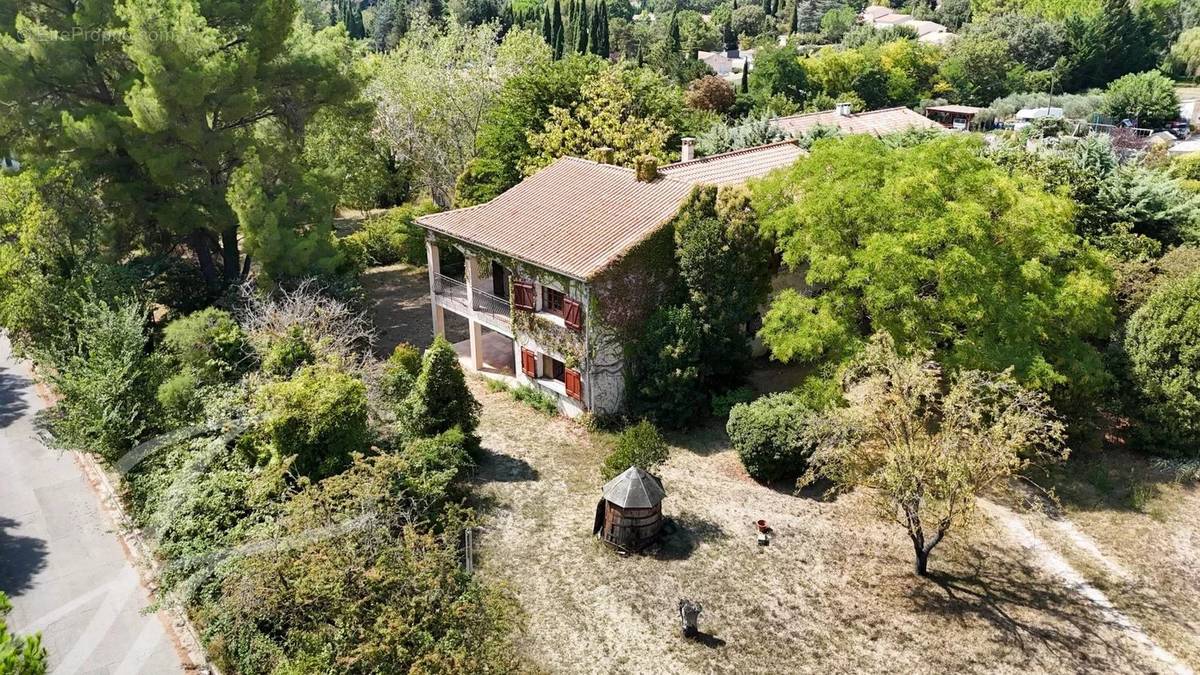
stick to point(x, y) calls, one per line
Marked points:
point(1189, 111)
point(875, 122)
point(9, 165)
point(883, 18)
point(728, 64)
point(564, 267)
point(957, 117)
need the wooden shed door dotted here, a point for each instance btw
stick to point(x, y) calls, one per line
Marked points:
point(528, 363)
point(574, 384)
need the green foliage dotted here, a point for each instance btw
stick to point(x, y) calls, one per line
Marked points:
point(439, 400)
point(178, 398)
point(318, 417)
point(837, 22)
point(640, 445)
point(1149, 98)
point(400, 372)
point(394, 237)
point(966, 259)
point(778, 72)
point(1185, 54)
point(173, 119)
point(770, 436)
point(19, 654)
point(342, 144)
point(106, 383)
point(288, 353)
point(977, 70)
point(536, 399)
point(665, 376)
point(746, 133)
point(382, 592)
point(209, 343)
point(1162, 340)
point(1031, 40)
point(723, 403)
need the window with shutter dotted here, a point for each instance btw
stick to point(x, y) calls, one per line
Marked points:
point(572, 314)
point(528, 363)
point(574, 384)
point(523, 296)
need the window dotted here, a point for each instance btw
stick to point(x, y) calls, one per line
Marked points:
point(554, 369)
point(552, 301)
point(499, 281)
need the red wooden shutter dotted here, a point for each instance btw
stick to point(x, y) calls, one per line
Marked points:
point(572, 314)
point(523, 297)
point(528, 363)
point(574, 384)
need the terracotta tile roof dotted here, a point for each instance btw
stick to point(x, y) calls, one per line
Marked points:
point(573, 217)
point(735, 167)
point(961, 109)
point(877, 122)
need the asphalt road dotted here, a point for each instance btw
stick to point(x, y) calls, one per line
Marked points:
point(62, 563)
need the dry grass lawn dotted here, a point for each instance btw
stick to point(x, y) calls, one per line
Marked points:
point(832, 593)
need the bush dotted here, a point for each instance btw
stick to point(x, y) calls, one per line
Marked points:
point(640, 445)
point(400, 372)
point(1162, 341)
point(723, 403)
point(440, 399)
point(392, 237)
point(208, 342)
point(286, 355)
point(770, 437)
point(536, 399)
point(665, 377)
point(319, 416)
point(107, 385)
point(19, 654)
point(1148, 97)
point(178, 398)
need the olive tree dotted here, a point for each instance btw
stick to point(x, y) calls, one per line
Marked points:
point(927, 445)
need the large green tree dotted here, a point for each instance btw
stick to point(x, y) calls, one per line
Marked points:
point(164, 101)
point(940, 248)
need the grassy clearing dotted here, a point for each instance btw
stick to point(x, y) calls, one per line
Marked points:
point(833, 593)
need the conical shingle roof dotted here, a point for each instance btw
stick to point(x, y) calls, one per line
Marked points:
point(634, 489)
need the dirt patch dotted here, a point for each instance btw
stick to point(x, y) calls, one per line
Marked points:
point(399, 305)
point(832, 593)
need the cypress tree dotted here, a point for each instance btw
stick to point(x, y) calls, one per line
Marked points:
point(766, 5)
point(727, 36)
point(605, 48)
point(547, 27)
point(582, 28)
point(674, 43)
point(745, 77)
point(557, 28)
point(795, 25)
point(594, 32)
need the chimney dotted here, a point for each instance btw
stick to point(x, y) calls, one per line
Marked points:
point(688, 152)
point(843, 109)
point(604, 155)
point(646, 168)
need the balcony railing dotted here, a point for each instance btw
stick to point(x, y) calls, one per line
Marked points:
point(449, 287)
point(491, 310)
point(486, 302)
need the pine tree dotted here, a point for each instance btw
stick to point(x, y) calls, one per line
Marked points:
point(674, 43)
point(557, 29)
point(1124, 40)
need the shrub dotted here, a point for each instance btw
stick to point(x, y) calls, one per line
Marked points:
point(665, 377)
point(400, 371)
point(392, 237)
point(440, 399)
point(1163, 344)
point(178, 397)
point(19, 654)
point(208, 342)
point(536, 399)
point(769, 435)
point(710, 93)
point(287, 354)
point(640, 445)
point(319, 416)
point(1148, 97)
point(107, 385)
point(723, 403)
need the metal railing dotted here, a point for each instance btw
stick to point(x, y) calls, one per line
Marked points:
point(486, 302)
point(450, 287)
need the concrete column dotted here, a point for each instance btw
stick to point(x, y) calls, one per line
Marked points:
point(472, 279)
point(434, 263)
point(439, 320)
point(476, 344)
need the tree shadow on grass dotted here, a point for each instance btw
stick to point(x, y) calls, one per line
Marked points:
point(500, 468)
point(684, 534)
point(21, 558)
point(1034, 611)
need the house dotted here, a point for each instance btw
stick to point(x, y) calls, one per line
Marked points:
point(560, 267)
point(957, 117)
point(875, 122)
point(884, 18)
point(728, 64)
point(1184, 148)
point(1189, 111)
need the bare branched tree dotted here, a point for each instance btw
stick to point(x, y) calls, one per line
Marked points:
point(333, 326)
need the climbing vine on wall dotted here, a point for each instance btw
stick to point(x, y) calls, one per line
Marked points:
point(550, 335)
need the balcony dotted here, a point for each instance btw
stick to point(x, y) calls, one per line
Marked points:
point(488, 309)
